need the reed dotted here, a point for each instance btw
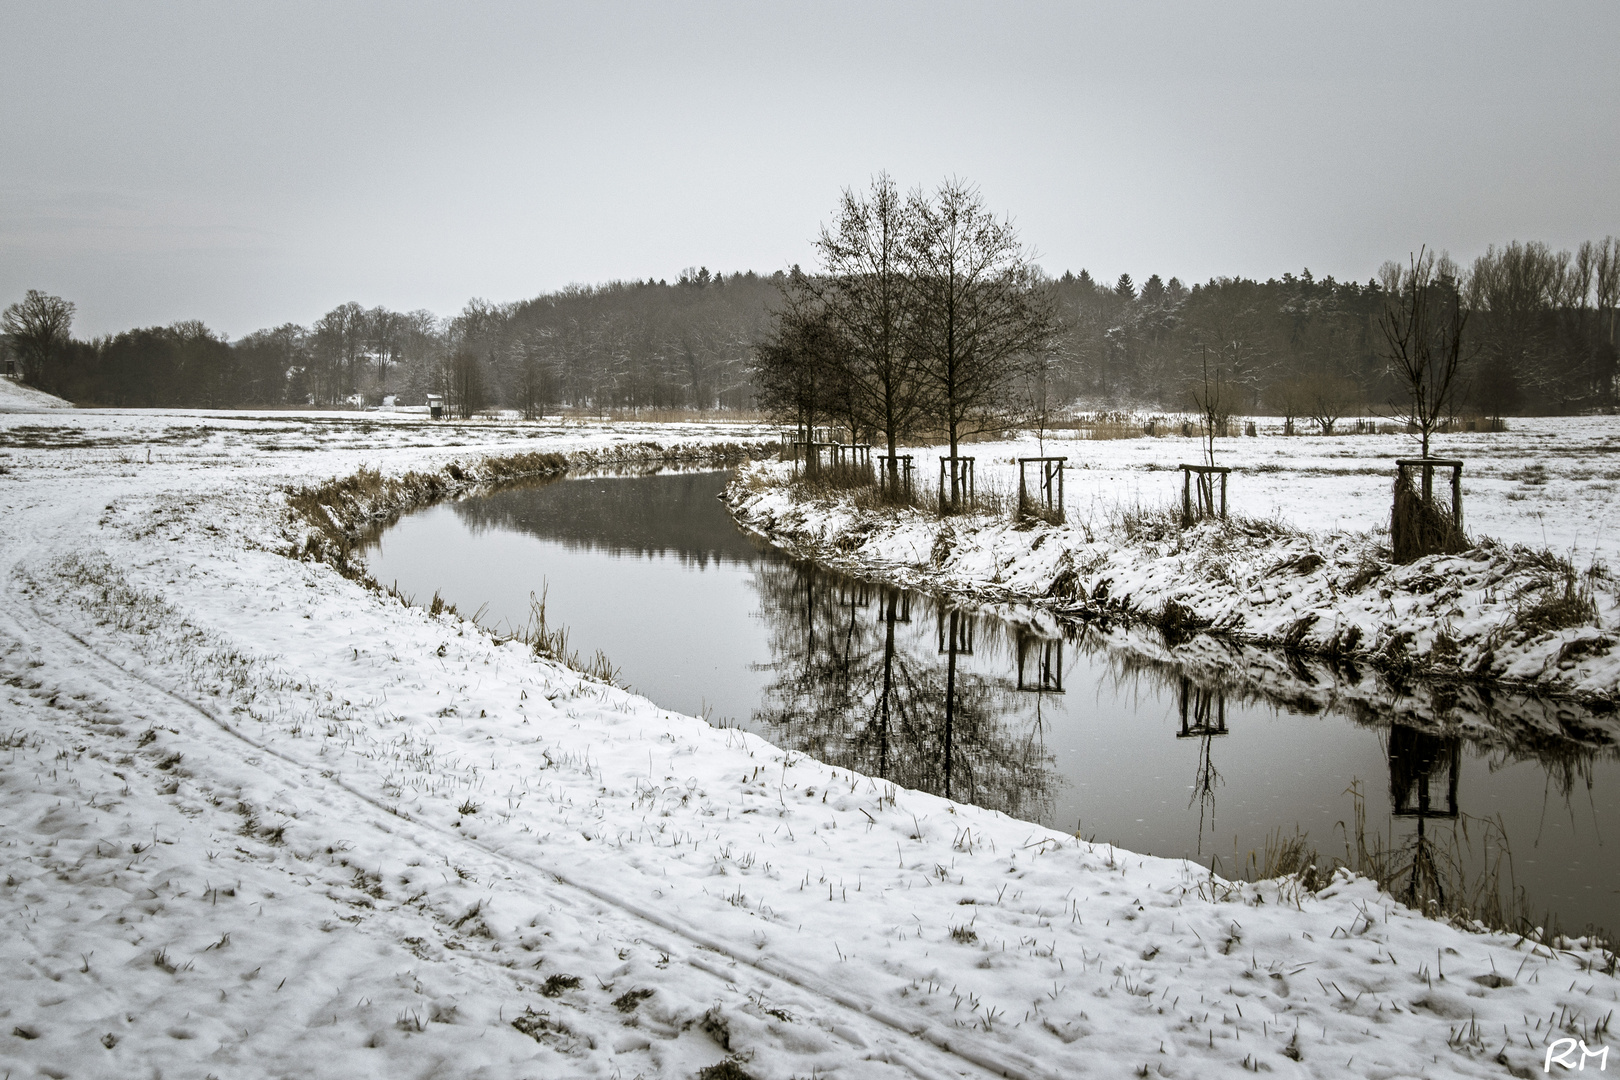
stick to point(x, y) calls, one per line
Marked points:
point(552, 643)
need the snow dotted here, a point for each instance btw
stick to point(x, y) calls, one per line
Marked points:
point(260, 820)
point(1546, 482)
point(15, 398)
point(1287, 574)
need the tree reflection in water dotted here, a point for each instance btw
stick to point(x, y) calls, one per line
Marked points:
point(1419, 762)
point(858, 685)
point(1203, 717)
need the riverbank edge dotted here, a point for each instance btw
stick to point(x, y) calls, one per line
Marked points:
point(1477, 619)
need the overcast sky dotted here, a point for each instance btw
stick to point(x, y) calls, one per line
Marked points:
point(256, 164)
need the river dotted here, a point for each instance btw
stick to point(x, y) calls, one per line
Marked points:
point(1049, 725)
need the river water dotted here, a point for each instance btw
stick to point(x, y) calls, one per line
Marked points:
point(1054, 727)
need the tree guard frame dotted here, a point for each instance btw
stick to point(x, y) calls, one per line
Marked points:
point(1203, 711)
point(1429, 465)
point(850, 455)
point(956, 634)
point(809, 453)
point(1420, 529)
point(1047, 671)
point(902, 487)
point(962, 471)
point(1206, 491)
point(1051, 470)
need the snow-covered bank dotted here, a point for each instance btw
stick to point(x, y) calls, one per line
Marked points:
point(1500, 614)
point(263, 821)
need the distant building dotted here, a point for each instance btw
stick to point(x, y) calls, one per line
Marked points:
point(435, 404)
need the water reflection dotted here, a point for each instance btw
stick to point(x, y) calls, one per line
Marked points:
point(1175, 750)
point(858, 683)
point(1203, 717)
point(1043, 658)
point(1415, 759)
point(648, 515)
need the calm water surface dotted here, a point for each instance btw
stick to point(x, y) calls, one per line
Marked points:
point(1059, 729)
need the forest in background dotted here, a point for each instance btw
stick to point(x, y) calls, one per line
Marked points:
point(1541, 333)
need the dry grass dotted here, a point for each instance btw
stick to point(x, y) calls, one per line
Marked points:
point(1565, 599)
point(1418, 527)
point(552, 643)
point(1464, 874)
point(834, 478)
point(339, 510)
point(1281, 856)
point(1459, 870)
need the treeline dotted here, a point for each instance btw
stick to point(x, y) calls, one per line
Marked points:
point(620, 345)
point(1540, 336)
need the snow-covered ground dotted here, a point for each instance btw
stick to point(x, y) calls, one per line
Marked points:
point(1546, 482)
point(15, 397)
point(259, 820)
point(1284, 570)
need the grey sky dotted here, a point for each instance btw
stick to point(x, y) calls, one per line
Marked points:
point(251, 165)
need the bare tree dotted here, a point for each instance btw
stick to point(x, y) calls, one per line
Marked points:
point(1289, 397)
point(532, 386)
point(1040, 403)
point(1330, 397)
point(37, 326)
point(338, 341)
point(865, 293)
point(1423, 324)
point(1213, 399)
point(977, 310)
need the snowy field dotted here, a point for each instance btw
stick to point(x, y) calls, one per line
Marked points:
point(261, 821)
point(1548, 482)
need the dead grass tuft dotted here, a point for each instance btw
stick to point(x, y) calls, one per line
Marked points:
point(630, 999)
point(557, 984)
point(1178, 623)
point(728, 1069)
point(1565, 600)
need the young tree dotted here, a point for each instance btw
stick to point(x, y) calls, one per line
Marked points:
point(977, 310)
point(1423, 324)
point(1039, 404)
point(38, 327)
point(1212, 396)
point(864, 292)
